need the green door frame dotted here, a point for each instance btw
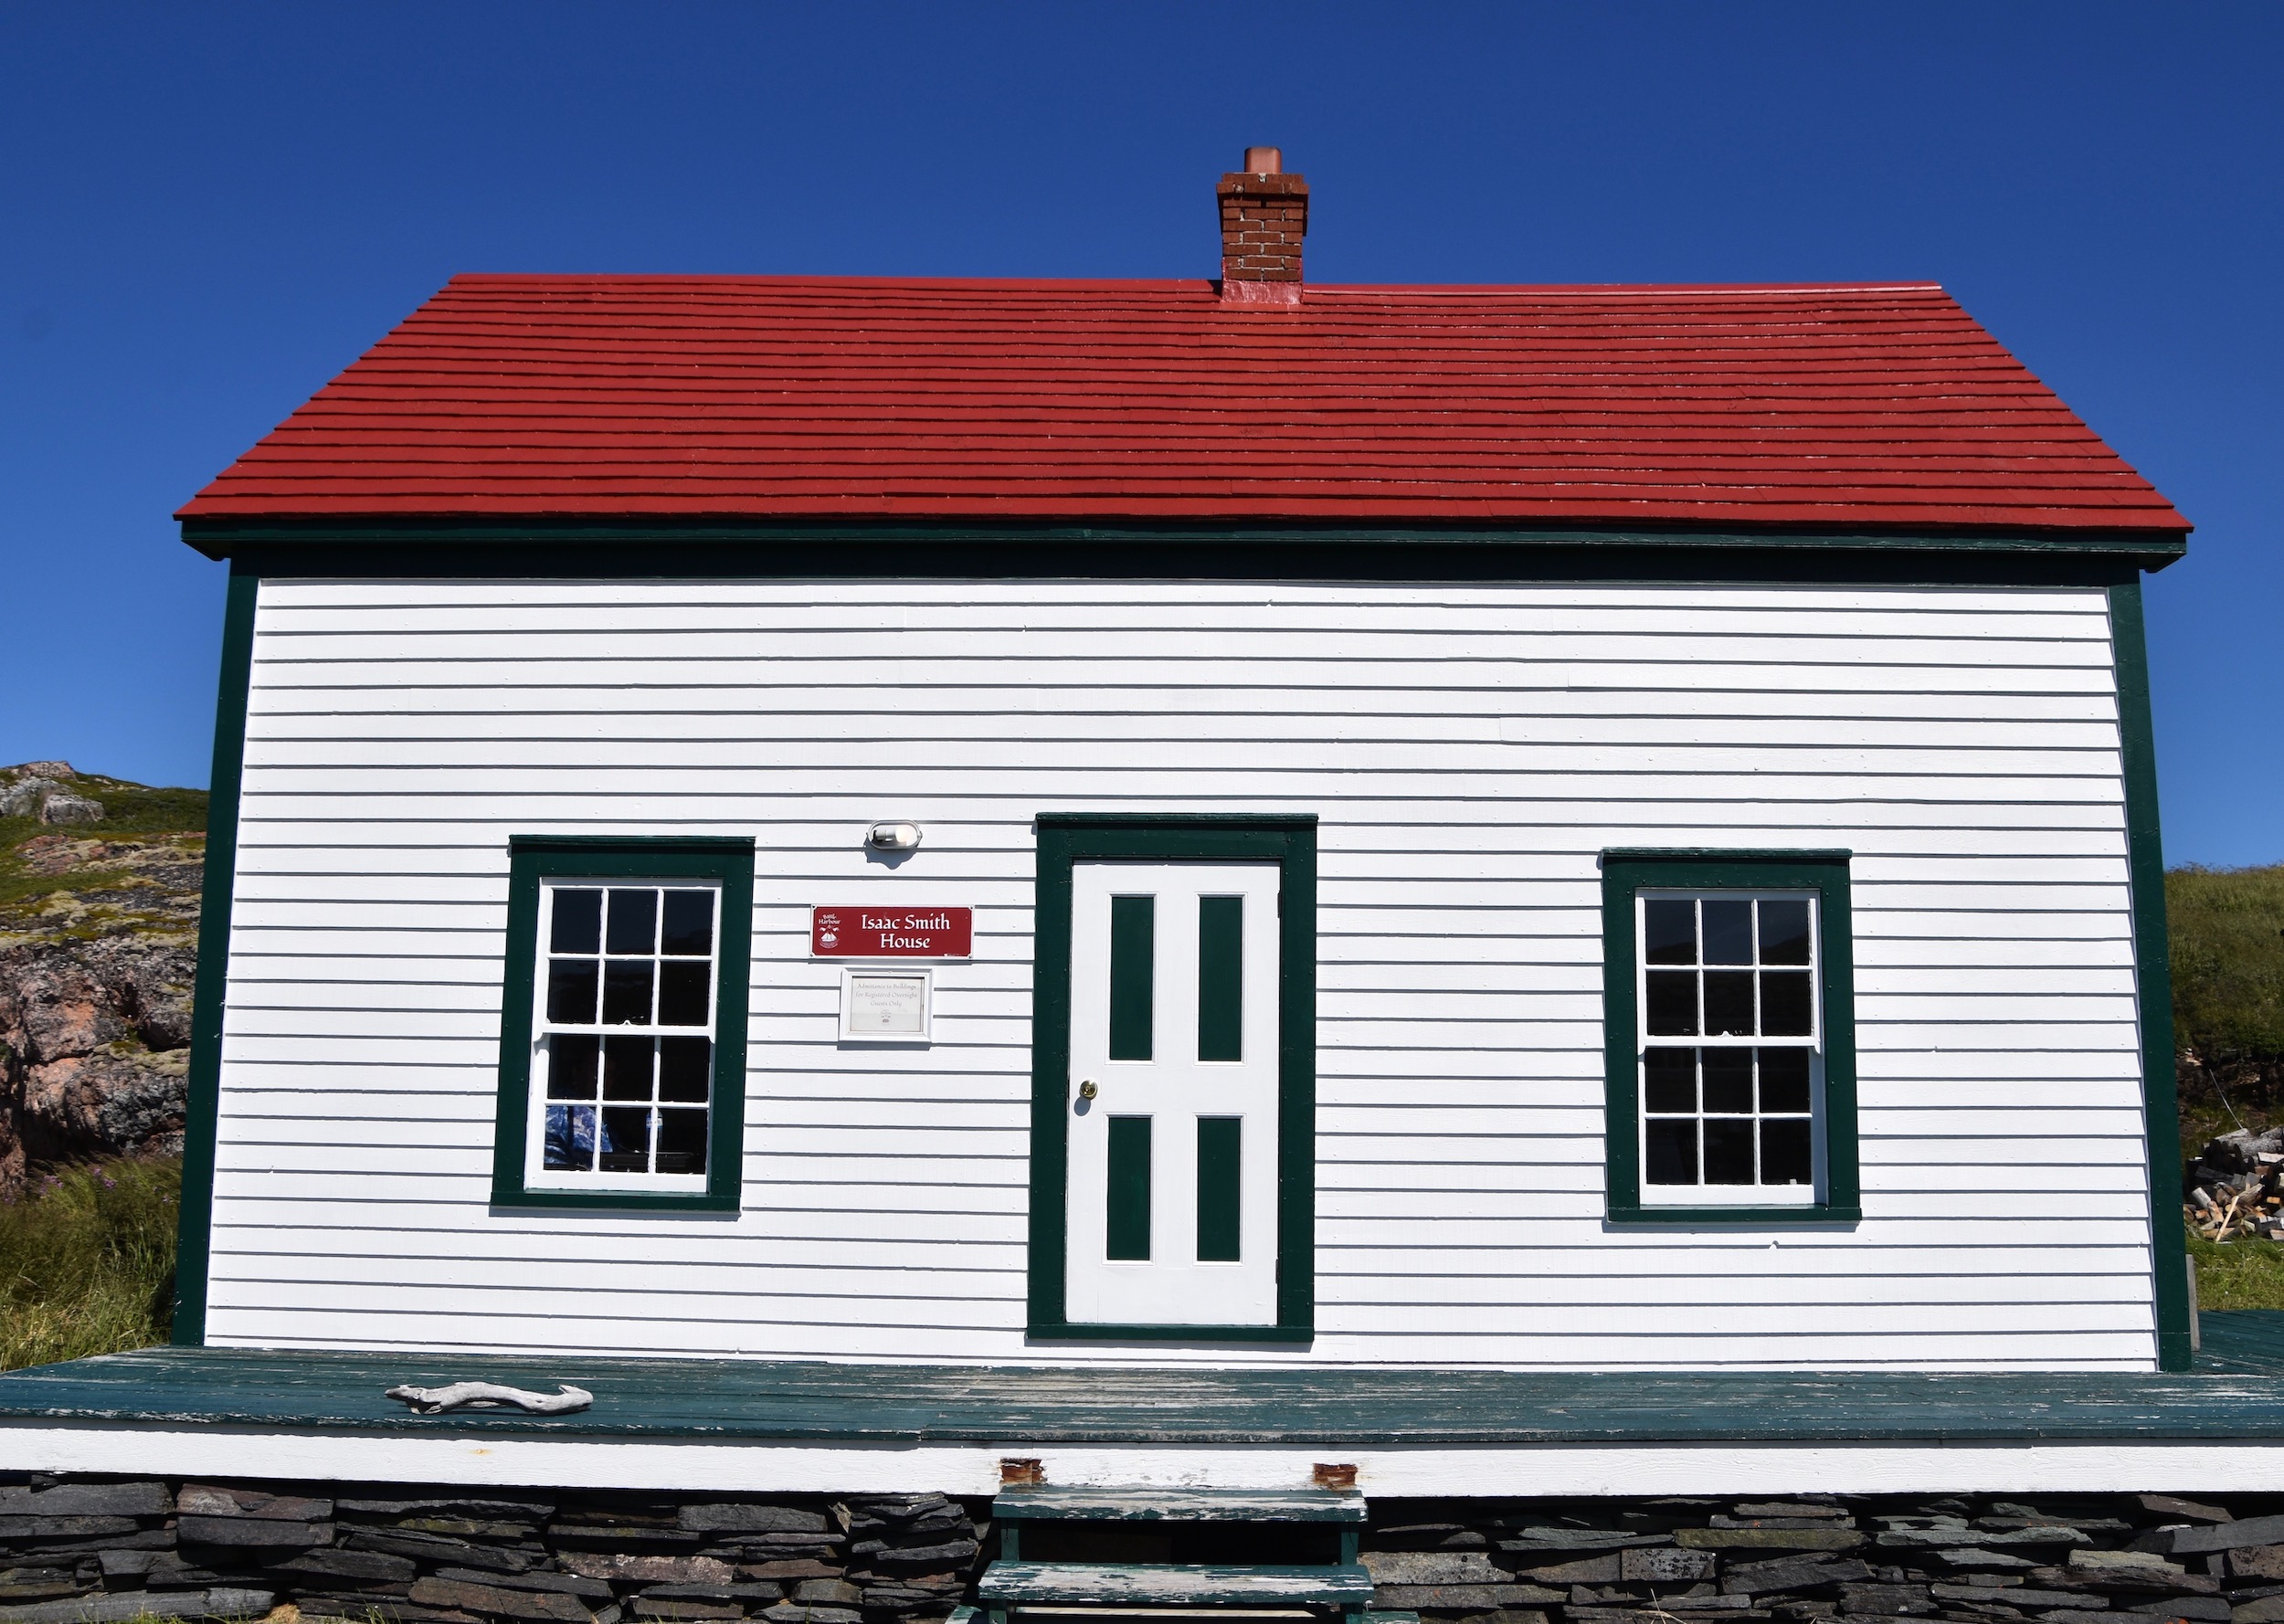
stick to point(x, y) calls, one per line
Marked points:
point(1288, 840)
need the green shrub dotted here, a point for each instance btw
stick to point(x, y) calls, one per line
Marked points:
point(87, 1260)
point(2227, 931)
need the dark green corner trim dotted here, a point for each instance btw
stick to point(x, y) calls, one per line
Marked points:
point(1289, 840)
point(1625, 870)
point(202, 1111)
point(728, 859)
point(2152, 976)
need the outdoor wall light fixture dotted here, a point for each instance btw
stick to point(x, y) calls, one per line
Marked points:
point(893, 837)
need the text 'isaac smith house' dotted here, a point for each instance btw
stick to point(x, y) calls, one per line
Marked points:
point(1223, 887)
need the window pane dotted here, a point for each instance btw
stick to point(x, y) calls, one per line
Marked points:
point(685, 1065)
point(681, 1142)
point(633, 922)
point(1785, 932)
point(689, 923)
point(625, 1139)
point(628, 955)
point(1729, 1081)
point(1669, 1079)
point(1672, 1145)
point(1784, 1153)
point(1728, 1150)
point(1784, 1080)
point(1728, 932)
point(571, 991)
point(1729, 1003)
point(626, 993)
point(570, 1137)
point(1669, 934)
point(1784, 1005)
point(577, 922)
point(626, 1068)
point(682, 993)
point(570, 1066)
point(1673, 1011)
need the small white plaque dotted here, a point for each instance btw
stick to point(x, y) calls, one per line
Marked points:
point(885, 1006)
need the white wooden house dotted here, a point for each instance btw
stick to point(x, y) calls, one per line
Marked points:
point(1468, 831)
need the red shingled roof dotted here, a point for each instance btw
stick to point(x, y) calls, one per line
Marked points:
point(810, 398)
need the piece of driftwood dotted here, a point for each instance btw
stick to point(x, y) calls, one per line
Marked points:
point(428, 1401)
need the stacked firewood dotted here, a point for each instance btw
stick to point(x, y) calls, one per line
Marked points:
point(2235, 1187)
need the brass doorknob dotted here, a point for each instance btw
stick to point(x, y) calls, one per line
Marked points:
point(1087, 1090)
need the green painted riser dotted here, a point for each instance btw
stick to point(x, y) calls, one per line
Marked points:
point(1177, 1505)
point(1104, 1583)
point(2237, 1398)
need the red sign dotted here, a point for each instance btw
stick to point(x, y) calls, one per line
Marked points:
point(891, 933)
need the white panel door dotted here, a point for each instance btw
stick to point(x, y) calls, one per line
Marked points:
point(1173, 1094)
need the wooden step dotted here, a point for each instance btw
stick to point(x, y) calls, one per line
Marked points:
point(1179, 1506)
point(1183, 1584)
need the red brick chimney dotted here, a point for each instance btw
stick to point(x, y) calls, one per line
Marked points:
point(1264, 214)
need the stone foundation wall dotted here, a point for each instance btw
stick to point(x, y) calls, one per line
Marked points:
point(1974, 1559)
point(81, 1551)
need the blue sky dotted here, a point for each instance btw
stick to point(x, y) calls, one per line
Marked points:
point(209, 210)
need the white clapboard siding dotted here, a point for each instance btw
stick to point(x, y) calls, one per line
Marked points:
point(1469, 750)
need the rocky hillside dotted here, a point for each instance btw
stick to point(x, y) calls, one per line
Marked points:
point(98, 938)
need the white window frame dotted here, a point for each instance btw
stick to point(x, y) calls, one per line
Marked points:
point(1756, 1194)
point(537, 1175)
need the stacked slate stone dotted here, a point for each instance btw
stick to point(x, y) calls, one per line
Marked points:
point(82, 1553)
point(2064, 1560)
point(66, 1546)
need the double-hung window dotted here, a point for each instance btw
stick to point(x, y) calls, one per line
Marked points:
point(1731, 1040)
point(622, 1045)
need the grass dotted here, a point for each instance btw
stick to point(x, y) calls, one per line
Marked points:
point(87, 1260)
point(2245, 1273)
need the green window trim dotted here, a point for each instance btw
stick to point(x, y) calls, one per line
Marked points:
point(1290, 841)
point(1626, 872)
point(727, 860)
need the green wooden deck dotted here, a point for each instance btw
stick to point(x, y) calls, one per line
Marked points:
point(2235, 1394)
